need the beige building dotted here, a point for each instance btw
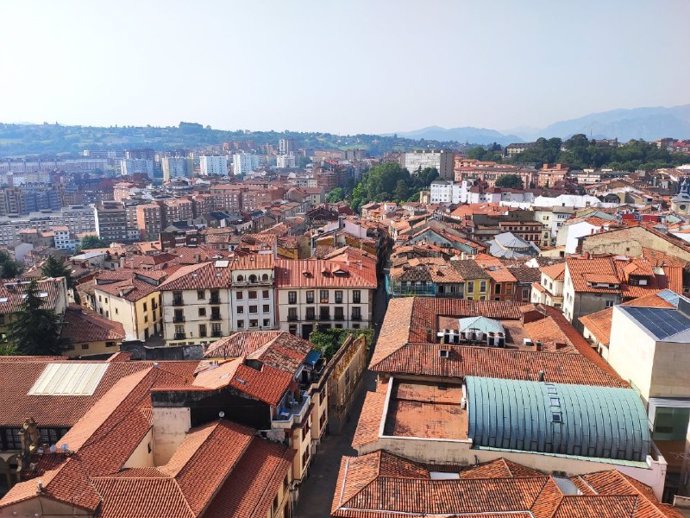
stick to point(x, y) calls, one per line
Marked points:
point(149, 220)
point(89, 334)
point(549, 290)
point(133, 301)
point(317, 295)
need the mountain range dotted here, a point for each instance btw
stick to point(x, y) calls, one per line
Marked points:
point(624, 124)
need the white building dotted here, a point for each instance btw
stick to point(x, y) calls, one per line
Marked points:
point(252, 293)
point(442, 161)
point(285, 161)
point(446, 191)
point(213, 165)
point(175, 167)
point(130, 166)
point(243, 163)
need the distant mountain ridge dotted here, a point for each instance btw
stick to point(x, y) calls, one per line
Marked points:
point(466, 134)
point(649, 123)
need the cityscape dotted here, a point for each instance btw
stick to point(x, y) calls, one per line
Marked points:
point(346, 319)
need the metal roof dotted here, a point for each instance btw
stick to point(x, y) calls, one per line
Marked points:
point(663, 323)
point(69, 379)
point(483, 324)
point(558, 418)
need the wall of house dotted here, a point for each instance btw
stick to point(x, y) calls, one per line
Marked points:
point(169, 428)
point(630, 242)
point(346, 369)
point(148, 315)
point(142, 456)
point(92, 348)
point(670, 370)
point(631, 353)
point(119, 310)
point(192, 320)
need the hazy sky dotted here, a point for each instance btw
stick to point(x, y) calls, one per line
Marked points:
point(341, 66)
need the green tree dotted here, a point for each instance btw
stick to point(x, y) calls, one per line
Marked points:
point(9, 268)
point(90, 242)
point(35, 329)
point(510, 181)
point(56, 267)
point(401, 191)
point(335, 195)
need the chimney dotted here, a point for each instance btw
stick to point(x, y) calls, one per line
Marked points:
point(542, 376)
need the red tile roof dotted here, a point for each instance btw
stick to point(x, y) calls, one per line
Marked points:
point(82, 325)
point(12, 294)
point(305, 273)
point(381, 485)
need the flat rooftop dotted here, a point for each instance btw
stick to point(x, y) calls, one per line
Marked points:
point(426, 410)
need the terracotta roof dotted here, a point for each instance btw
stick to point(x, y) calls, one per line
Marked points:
point(82, 325)
point(12, 293)
point(306, 273)
point(382, 485)
point(555, 271)
point(59, 411)
point(278, 349)
point(198, 276)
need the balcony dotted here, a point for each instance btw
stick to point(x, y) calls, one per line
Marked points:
point(356, 318)
point(310, 316)
point(178, 318)
point(215, 316)
point(216, 334)
point(323, 317)
point(292, 413)
point(180, 336)
point(177, 301)
point(215, 299)
point(292, 318)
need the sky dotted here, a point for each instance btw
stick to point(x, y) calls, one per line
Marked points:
point(346, 66)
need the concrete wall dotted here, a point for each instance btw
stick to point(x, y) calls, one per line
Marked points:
point(346, 367)
point(142, 456)
point(630, 241)
point(169, 428)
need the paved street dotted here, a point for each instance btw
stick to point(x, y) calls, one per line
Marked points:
point(317, 491)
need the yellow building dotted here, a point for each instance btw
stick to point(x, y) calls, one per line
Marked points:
point(89, 334)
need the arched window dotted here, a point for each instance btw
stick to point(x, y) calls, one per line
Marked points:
point(264, 277)
point(240, 278)
point(252, 278)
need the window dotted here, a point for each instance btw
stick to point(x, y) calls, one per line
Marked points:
point(84, 346)
point(202, 312)
point(292, 314)
point(200, 294)
point(12, 441)
point(356, 296)
point(240, 310)
point(671, 424)
point(470, 287)
point(482, 286)
point(310, 313)
point(498, 289)
point(609, 303)
point(179, 316)
point(253, 309)
point(240, 295)
point(267, 322)
point(356, 313)
point(145, 308)
point(266, 308)
point(215, 330)
point(265, 294)
point(179, 332)
point(338, 313)
point(338, 297)
point(110, 344)
point(240, 324)
point(292, 297)
point(202, 330)
point(323, 296)
point(252, 294)
point(253, 323)
point(310, 297)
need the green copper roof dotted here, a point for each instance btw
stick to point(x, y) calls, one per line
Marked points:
point(557, 418)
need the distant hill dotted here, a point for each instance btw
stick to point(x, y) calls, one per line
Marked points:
point(462, 135)
point(637, 123)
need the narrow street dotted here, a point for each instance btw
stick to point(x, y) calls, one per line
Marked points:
point(317, 491)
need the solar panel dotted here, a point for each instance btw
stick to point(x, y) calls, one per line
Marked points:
point(669, 296)
point(662, 323)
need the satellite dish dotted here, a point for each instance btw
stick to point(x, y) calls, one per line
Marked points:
point(221, 414)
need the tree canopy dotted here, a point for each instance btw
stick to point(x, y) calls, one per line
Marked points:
point(390, 182)
point(9, 268)
point(91, 242)
point(510, 181)
point(35, 329)
point(335, 195)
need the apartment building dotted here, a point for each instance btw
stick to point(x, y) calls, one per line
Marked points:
point(243, 163)
point(252, 292)
point(213, 165)
point(177, 209)
point(131, 166)
point(131, 298)
point(111, 221)
point(442, 161)
point(317, 295)
point(197, 304)
point(176, 167)
point(549, 290)
point(149, 220)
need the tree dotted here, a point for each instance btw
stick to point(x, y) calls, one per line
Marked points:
point(9, 268)
point(401, 191)
point(35, 329)
point(56, 267)
point(90, 242)
point(509, 181)
point(335, 195)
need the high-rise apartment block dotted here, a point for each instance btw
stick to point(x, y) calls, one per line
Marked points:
point(213, 165)
point(442, 161)
point(243, 163)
